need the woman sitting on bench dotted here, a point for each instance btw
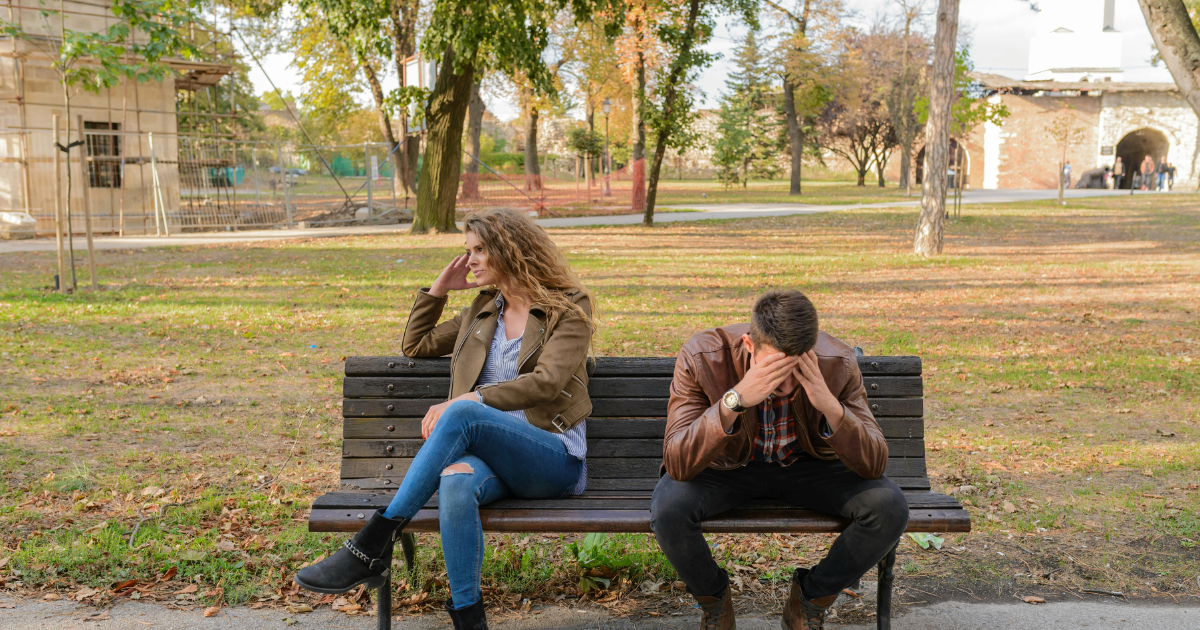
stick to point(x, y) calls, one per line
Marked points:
point(514, 423)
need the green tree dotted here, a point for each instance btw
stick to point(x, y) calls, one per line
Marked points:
point(134, 47)
point(471, 35)
point(747, 139)
point(682, 27)
point(968, 107)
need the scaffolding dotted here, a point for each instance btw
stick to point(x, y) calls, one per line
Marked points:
point(155, 157)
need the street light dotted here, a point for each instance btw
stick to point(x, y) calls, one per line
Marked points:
point(607, 107)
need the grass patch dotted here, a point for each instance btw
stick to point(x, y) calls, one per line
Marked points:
point(1060, 347)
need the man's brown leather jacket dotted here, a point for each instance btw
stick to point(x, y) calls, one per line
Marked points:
point(714, 361)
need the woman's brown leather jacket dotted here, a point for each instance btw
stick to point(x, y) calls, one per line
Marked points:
point(552, 381)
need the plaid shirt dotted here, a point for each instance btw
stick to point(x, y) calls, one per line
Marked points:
point(776, 439)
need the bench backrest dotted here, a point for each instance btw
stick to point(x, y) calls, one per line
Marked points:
point(386, 397)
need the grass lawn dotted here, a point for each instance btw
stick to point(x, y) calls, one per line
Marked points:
point(195, 399)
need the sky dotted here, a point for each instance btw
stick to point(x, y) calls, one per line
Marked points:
point(999, 33)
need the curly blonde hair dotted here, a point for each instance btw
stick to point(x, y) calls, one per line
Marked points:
point(522, 253)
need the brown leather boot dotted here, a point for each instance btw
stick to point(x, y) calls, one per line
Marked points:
point(803, 614)
point(718, 611)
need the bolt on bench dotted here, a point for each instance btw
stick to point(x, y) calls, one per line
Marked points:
point(386, 397)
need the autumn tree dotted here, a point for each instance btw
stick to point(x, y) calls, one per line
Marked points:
point(856, 123)
point(907, 86)
point(808, 81)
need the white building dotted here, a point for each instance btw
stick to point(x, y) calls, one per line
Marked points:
point(1075, 41)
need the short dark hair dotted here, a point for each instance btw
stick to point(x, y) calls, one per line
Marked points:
point(786, 320)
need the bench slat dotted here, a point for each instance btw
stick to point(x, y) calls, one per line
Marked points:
point(597, 447)
point(598, 387)
point(601, 407)
point(643, 484)
point(605, 366)
point(613, 428)
point(638, 521)
point(600, 468)
point(595, 500)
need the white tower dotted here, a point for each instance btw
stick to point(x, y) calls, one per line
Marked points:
point(1075, 41)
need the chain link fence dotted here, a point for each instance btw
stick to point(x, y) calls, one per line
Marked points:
point(149, 183)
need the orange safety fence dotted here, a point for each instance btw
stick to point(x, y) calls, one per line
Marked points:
point(623, 190)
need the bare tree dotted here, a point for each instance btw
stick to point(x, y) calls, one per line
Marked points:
point(1178, 44)
point(903, 94)
point(1065, 132)
point(931, 223)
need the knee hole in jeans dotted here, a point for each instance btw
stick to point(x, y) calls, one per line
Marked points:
point(457, 469)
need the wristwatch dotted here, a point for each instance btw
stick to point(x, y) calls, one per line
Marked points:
point(733, 401)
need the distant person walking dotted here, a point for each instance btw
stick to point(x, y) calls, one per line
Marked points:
point(1170, 176)
point(1066, 175)
point(1118, 173)
point(1161, 171)
point(1147, 172)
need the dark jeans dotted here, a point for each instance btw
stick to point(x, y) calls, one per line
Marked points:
point(877, 508)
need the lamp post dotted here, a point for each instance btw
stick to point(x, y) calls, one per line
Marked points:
point(607, 107)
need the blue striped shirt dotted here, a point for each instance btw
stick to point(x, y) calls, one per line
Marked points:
point(501, 366)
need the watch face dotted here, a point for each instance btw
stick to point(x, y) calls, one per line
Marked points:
point(731, 399)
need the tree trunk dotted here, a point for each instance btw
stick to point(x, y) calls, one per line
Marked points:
point(931, 223)
point(474, 129)
point(395, 151)
point(862, 175)
point(437, 191)
point(905, 170)
point(1178, 43)
point(795, 135)
point(533, 173)
point(637, 139)
point(670, 92)
point(401, 13)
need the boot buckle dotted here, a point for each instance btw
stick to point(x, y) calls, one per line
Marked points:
point(354, 551)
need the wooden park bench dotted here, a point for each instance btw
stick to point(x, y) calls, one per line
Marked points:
point(386, 397)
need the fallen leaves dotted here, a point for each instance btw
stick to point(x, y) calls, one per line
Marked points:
point(211, 610)
point(297, 609)
point(102, 616)
point(1033, 599)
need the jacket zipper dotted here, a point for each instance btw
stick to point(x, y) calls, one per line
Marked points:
point(463, 342)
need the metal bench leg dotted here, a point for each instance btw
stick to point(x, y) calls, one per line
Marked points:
point(883, 607)
point(384, 597)
point(408, 544)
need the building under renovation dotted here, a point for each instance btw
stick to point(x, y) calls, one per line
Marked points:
point(130, 174)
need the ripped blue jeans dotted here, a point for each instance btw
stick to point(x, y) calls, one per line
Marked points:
point(498, 456)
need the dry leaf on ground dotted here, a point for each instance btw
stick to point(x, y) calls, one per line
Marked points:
point(1033, 599)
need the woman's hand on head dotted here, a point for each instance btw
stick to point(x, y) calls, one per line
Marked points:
point(453, 278)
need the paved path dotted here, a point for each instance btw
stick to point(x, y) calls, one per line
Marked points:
point(703, 212)
point(39, 615)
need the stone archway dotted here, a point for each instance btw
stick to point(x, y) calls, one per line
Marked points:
point(919, 166)
point(1136, 145)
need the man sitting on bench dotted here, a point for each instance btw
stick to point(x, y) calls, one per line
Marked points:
point(773, 409)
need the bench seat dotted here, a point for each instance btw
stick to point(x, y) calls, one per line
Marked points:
point(384, 399)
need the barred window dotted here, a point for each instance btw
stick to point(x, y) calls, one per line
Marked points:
point(104, 155)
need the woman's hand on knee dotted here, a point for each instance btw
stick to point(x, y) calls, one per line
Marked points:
point(435, 413)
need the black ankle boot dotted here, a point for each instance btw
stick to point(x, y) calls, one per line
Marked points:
point(364, 559)
point(469, 618)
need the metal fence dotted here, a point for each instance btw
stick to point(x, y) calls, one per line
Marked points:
point(151, 183)
point(158, 183)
